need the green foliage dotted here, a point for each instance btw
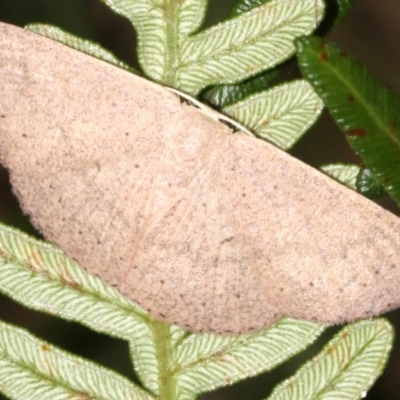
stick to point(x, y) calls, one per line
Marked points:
point(346, 174)
point(170, 53)
point(33, 369)
point(86, 46)
point(344, 7)
point(221, 96)
point(246, 5)
point(368, 186)
point(170, 363)
point(366, 111)
point(346, 367)
point(280, 115)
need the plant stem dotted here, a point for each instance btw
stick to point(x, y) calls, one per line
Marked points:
point(164, 353)
point(172, 41)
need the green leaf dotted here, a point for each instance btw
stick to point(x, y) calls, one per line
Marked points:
point(161, 27)
point(41, 277)
point(189, 15)
point(244, 46)
point(221, 96)
point(346, 368)
point(205, 362)
point(363, 108)
point(282, 114)
point(77, 43)
point(35, 370)
point(254, 41)
point(246, 5)
point(344, 7)
point(368, 186)
point(344, 173)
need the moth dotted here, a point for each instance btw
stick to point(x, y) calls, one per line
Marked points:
point(208, 229)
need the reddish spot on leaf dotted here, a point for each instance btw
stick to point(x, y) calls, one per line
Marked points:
point(357, 132)
point(323, 56)
point(70, 282)
point(330, 351)
point(350, 98)
point(45, 347)
point(344, 53)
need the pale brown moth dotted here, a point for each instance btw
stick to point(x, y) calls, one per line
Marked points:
point(211, 230)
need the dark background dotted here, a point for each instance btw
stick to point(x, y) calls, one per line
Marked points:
point(371, 32)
